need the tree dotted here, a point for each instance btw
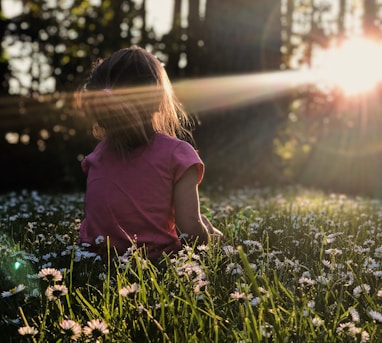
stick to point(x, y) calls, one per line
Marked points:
point(323, 129)
point(4, 65)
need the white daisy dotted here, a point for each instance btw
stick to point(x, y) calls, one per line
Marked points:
point(333, 251)
point(200, 285)
point(317, 322)
point(229, 250)
point(306, 281)
point(55, 292)
point(365, 337)
point(375, 315)
point(370, 263)
point(50, 274)
point(354, 315)
point(71, 329)
point(361, 288)
point(28, 331)
point(96, 328)
point(237, 295)
point(13, 291)
point(125, 291)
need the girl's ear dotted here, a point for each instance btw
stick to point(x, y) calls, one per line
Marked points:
point(98, 131)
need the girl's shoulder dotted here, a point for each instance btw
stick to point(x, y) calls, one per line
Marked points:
point(163, 139)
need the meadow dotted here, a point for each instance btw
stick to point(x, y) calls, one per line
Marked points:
point(296, 265)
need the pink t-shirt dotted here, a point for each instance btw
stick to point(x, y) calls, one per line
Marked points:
point(132, 199)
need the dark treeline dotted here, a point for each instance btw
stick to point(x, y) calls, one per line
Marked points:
point(42, 137)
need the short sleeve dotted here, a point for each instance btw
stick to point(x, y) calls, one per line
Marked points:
point(184, 156)
point(85, 165)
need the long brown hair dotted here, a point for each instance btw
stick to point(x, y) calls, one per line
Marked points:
point(130, 96)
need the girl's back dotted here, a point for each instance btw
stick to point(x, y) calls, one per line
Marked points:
point(133, 197)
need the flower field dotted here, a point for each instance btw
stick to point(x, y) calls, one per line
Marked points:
point(295, 265)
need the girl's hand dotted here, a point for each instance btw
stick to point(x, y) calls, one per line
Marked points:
point(216, 233)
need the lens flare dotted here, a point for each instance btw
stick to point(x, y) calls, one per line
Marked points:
point(355, 66)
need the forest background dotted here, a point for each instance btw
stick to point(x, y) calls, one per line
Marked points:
point(311, 135)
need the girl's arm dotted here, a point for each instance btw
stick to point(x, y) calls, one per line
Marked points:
point(187, 209)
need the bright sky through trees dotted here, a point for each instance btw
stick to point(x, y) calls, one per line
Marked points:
point(157, 17)
point(355, 66)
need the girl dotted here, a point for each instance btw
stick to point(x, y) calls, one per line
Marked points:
point(142, 181)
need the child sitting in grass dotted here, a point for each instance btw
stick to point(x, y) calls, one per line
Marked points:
point(142, 177)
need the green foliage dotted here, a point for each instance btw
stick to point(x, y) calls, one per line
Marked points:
point(295, 266)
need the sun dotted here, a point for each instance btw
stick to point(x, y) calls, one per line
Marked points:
point(355, 66)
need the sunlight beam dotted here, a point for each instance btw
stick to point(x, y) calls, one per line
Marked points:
point(196, 95)
point(205, 94)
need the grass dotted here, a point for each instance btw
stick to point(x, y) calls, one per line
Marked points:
point(296, 265)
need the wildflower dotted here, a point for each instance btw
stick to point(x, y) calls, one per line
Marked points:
point(11, 321)
point(71, 329)
point(365, 337)
point(327, 264)
point(296, 242)
point(238, 295)
point(323, 280)
point(317, 322)
point(50, 274)
point(306, 281)
point(330, 238)
point(102, 276)
point(142, 262)
point(86, 254)
point(348, 278)
point(140, 308)
point(333, 251)
point(379, 293)
point(46, 257)
point(234, 268)
point(200, 284)
point(255, 301)
point(202, 247)
point(375, 315)
point(125, 291)
point(28, 331)
point(229, 250)
point(359, 289)
point(34, 293)
point(263, 291)
point(378, 252)
point(256, 246)
point(311, 304)
point(354, 315)
point(183, 236)
point(195, 257)
point(99, 240)
point(13, 291)
point(191, 269)
point(56, 291)
point(348, 328)
point(96, 328)
point(266, 330)
point(370, 263)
